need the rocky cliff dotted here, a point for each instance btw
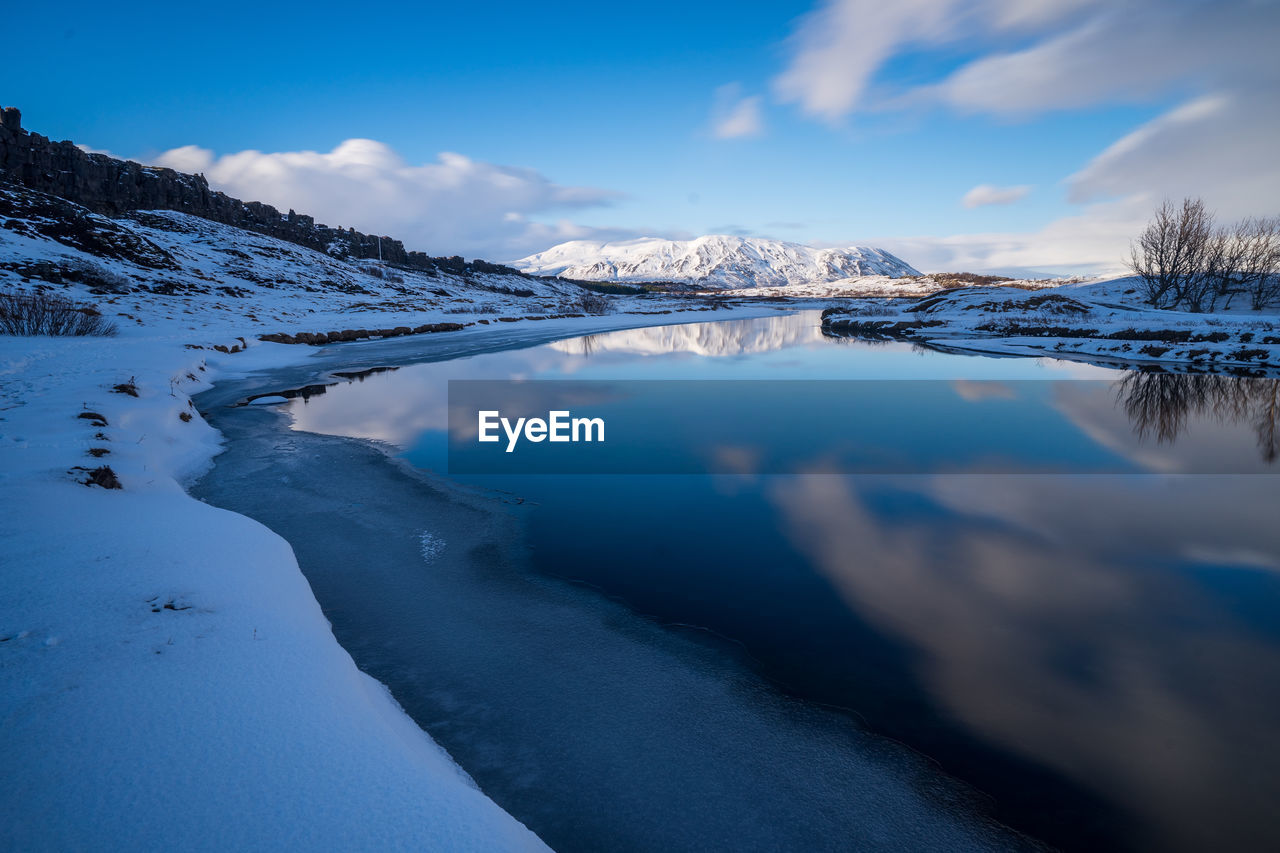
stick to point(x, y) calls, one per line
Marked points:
point(115, 187)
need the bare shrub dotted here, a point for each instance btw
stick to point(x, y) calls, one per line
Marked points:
point(955, 279)
point(45, 314)
point(95, 276)
point(587, 303)
point(383, 272)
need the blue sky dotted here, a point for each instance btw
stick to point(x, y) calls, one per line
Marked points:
point(840, 122)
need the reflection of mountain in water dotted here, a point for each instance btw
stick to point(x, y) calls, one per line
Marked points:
point(724, 338)
point(1161, 404)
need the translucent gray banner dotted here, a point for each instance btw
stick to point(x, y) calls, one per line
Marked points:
point(1142, 423)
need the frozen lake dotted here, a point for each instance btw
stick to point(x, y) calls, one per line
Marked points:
point(763, 662)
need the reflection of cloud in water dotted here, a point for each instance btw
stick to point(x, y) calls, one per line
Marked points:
point(976, 392)
point(1239, 557)
point(736, 459)
point(1045, 620)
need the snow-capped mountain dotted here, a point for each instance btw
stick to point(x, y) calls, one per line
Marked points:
point(713, 261)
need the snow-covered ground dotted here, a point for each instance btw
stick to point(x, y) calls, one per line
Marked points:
point(1101, 321)
point(166, 676)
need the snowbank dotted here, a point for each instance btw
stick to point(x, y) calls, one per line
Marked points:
point(168, 679)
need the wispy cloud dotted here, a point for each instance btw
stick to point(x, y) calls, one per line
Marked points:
point(454, 205)
point(735, 115)
point(1075, 53)
point(1092, 241)
point(985, 194)
point(1220, 147)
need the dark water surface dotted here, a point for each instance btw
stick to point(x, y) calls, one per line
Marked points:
point(724, 662)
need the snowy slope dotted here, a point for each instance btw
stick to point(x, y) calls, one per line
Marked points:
point(712, 261)
point(183, 272)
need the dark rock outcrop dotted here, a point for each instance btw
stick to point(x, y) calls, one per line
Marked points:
point(357, 334)
point(116, 187)
point(43, 215)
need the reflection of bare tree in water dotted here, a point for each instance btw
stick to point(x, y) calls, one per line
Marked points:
point(589, 344)
point(1161, 403)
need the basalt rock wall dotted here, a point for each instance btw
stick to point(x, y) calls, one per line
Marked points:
point(116, 187)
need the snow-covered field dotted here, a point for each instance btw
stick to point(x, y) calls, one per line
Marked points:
point(1102, 321)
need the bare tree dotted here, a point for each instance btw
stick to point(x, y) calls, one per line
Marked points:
point(1169, 255)
point(1244, 258)
point(1259, 272)
point(1224, 258)
point(1184, 260)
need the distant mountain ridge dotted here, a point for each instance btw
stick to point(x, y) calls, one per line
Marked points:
point(716, 260)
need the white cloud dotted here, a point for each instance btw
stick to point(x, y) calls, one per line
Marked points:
point(735, 116)
point(985, 194)
point(454, 205)
point(1093, 241)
